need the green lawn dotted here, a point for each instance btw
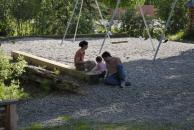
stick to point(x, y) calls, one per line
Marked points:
point(89, 125)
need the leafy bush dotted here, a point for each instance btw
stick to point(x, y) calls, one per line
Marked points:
point(179, 19)
point(156, 27)
point(177, 37)
point(133, 24)
point(9, 78)
point(189, 35)
point(13, 91)
point(5, 27)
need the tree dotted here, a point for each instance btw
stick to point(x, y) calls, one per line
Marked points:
point(124, 3)
point(179, 18)
point(24, 11)
point(5, 27)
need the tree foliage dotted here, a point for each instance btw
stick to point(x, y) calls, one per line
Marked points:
point(50, 17)
point(25, 9)
point(179, 18)
point(123, 3)
point(5, 27)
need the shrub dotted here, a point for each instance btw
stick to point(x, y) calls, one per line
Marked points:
point(179, 18)
point(12, 91)
point(10, 73)
point(188, 35)
point(134, 25)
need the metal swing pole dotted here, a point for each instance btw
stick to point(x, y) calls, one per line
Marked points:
point(102, 18)
point(110, 23)
point(166, 26)
point(146, 25)
point(69, 22)
point(78, 20)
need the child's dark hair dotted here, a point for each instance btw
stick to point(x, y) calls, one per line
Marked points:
point(83, 43)
point(106, 54)
point(98, 59)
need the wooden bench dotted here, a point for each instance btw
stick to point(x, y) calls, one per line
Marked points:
point(8, 115)
point(50, 65)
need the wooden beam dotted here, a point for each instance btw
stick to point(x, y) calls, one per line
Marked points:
point(2, 116)
point(13, 117)
point(50, 65)
point(7, 117)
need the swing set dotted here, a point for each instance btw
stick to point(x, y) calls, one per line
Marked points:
point(108, 28)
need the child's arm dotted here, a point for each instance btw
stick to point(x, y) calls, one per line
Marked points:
point(96, 68)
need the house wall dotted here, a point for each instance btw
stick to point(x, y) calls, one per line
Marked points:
point(148, 10)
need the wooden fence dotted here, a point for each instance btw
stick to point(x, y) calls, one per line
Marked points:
point(8, 115)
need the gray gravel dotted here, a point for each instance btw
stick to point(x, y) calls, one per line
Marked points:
point(163, 91)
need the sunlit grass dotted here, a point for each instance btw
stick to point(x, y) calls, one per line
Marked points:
point(72, 124)
point(177, 37)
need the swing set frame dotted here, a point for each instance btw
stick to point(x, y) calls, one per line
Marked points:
point(108, 29)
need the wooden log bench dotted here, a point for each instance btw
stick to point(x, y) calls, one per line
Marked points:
point(53, 65)
point(48, 80)
point(50, 65)
point(8, 115)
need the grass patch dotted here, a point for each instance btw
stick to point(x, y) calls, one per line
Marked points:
point(36, 126)
point(134, 125)
point(177, 37)
point(1, 37)
point(182, 36)
point(65, 118)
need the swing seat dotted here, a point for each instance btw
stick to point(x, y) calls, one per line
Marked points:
point(117, 42)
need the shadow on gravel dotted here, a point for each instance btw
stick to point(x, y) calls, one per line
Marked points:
point(176, 71)
point(163, 91)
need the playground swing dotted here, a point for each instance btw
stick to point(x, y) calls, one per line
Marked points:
point(125, 41)
point(147, 28)
point(79, 15)
point(146, 25)
point(107, 35)
point(162, 37)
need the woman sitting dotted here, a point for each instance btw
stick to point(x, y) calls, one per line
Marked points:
point(79, 62)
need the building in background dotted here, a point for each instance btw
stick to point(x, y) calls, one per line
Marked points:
point(190, 5)
point(148, 9)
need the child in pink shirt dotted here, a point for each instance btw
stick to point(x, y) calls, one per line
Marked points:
point(100, 67)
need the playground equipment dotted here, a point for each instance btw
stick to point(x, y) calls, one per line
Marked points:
point(162, 37)
point(107, 29)
point(79, 15)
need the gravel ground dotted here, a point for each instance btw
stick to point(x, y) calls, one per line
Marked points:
point(163, 91)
